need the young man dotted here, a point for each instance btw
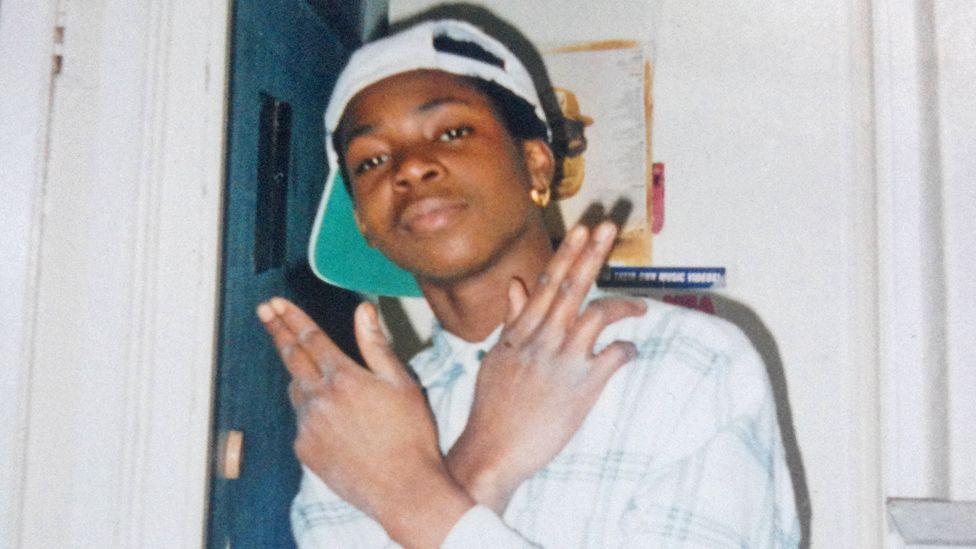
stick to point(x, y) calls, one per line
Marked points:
point(561, 417)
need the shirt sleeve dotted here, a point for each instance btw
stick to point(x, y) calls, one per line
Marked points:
point(481, 528)
point(732, 488)
point(320, 518)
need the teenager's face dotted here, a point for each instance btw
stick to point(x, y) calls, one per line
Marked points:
point(439, 185)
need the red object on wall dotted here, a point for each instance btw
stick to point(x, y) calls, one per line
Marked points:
point(657, 198)
point(701, 303)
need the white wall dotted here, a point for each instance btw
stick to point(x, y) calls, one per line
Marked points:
point(762, 115)
point(759, 111)
point(955, 37)
point(780, 167)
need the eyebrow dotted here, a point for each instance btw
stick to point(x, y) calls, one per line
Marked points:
point(440, 101)
point(435, 103)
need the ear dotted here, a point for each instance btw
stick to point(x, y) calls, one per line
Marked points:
point(361, 227)
point(540, 162)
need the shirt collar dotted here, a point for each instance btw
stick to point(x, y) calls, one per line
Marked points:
point(449, 351)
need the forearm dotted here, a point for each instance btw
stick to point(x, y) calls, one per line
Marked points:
point(422, 511)
point(480, 473)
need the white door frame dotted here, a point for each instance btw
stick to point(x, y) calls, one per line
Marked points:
point(173, 196)
point(138, 117)
point(26, 48)
point(25, 78)
point(925, 213)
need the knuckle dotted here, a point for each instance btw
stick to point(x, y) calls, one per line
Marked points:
point(308, 333)
point(318, 407)
point(294, 393)
point(341, 382)
point(623, 352)
point(566, 285)
point(301, 449)
point(528, 354)
point(286, 350)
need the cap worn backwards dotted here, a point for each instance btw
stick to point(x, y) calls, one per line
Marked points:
point(337, 252)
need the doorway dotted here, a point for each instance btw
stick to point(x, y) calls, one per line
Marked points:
point(285, 57)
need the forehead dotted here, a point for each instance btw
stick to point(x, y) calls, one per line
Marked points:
point(407, 91)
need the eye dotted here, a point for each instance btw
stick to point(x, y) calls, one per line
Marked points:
point(455, 133)
point(370, 163)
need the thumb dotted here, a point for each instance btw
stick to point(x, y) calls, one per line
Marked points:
point(517, 297)
point(609, 360)
point(374, 347)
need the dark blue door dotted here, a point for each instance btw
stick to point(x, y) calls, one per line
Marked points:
point(285, 58)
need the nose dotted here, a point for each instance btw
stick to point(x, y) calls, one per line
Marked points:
point(414, 167)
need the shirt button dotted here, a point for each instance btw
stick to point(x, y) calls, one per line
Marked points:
point(480, 354)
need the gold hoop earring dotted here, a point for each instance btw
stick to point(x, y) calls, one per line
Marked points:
point(540, 198)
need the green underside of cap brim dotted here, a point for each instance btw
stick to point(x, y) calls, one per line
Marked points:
point(341, 256)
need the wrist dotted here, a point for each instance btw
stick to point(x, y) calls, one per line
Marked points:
point(425, 509)
point(482, 475)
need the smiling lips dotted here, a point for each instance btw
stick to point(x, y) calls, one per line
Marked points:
point(430, 214)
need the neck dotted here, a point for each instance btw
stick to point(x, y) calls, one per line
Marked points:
point(471, 307)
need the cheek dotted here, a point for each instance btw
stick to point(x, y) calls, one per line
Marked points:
point(370, 219)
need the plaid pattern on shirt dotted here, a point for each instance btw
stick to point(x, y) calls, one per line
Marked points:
point(681, 450)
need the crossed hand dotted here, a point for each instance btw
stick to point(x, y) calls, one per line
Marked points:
point(368, 432)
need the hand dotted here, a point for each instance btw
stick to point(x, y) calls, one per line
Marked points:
point(538, 383)
point(368, 434)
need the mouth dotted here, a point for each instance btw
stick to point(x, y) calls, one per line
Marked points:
point(428, 215)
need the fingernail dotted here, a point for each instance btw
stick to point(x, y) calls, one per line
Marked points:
point(577, 235)
point(604, 232)
point(265, 313)
point(369, 316)
point(278, 305)
point(374, 322)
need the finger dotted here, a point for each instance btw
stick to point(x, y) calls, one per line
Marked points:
point(309, 337)
point(597, 315)
point(517, 297)
point(296, 395)
point(577, 283)
point(296, 360)
point(300, 392)
point(608, 361)
point(374, 346)
point(548, 284)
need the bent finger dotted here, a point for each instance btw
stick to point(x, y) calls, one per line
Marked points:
point(319, 346)
point(597, 315)
point(609, 360)
point(375, 347)
point(577, 283)
point(296, 360)
point(547, 286)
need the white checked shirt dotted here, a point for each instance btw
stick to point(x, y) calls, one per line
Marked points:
point(681, 450)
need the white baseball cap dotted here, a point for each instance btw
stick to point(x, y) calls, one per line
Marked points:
point(337, 251)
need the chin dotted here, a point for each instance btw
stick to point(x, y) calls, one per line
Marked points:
point(448, 269)
point(452, 258)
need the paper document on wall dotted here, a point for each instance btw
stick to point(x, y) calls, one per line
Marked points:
point(603, 89)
